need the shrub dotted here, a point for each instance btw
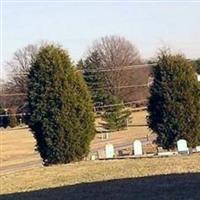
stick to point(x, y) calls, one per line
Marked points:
point(61, 119)
point(174, 105)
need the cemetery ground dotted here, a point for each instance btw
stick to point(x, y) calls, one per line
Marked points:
point(17, 145)
point(175, 177)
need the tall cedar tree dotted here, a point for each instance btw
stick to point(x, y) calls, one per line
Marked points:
point(174, 104)
point(61, 119)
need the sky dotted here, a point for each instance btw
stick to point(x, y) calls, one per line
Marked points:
point(149, 25)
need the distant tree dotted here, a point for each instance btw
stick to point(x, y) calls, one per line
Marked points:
point(174, 105)
point(12, 121)
point(61, 119)
point(19, 67)
point(116, 116)
point(107, 56)
point(93, 79)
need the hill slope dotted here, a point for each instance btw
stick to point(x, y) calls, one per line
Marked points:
point(119, 179)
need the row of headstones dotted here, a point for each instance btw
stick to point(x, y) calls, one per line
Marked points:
point(138, 151)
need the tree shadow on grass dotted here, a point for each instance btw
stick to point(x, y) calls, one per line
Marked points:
point(162, 187)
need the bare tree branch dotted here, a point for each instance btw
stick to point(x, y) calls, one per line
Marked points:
point(115, 52)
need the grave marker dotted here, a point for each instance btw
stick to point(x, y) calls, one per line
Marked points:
point(109, 149)
point(137, 146)
point(197, 148)
point(182, 146)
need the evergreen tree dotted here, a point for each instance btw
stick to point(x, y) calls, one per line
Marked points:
point(93, 78)
point(116, 116)
point(61, 119)
point(174, 105)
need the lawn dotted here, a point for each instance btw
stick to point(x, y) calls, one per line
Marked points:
point(18, 145)
point(148, 178)
point(174, 178)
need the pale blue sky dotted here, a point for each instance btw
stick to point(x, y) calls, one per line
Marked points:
point(75, 25)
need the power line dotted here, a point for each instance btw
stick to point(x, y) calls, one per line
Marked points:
point(118, 68)
point(103, 106)
point(99, 70)
point(118, 87)
point(107, 70)
point(119, 104)
point(122, 87)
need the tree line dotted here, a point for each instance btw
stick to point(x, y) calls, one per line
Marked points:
point(60, 96)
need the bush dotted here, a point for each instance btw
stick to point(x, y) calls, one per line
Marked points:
point(61, 119)
point(174, 105)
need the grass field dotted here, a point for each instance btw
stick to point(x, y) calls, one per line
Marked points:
point(174, 178)
point(147, 178)
point(18, 146)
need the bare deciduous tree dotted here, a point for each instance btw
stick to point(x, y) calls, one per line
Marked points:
point(19, 67)
point(114, 53)
point(16, 85)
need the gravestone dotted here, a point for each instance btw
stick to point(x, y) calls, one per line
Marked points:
point(109, 149)
point(93, 157)
point(137, 146)
point(182, 146)
point(197, 148)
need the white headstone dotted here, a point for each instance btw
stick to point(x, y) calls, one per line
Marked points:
point(198, 77)
point(197, 148)
point(93, 157)
point(182, 146)
point(137, 146)
point(109, 151)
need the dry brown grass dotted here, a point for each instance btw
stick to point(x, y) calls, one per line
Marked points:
point(92, 171)
point(138, 129)
point(129, 179)
point(17, 146)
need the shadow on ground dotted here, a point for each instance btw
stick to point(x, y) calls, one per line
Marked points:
point(162, 187)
